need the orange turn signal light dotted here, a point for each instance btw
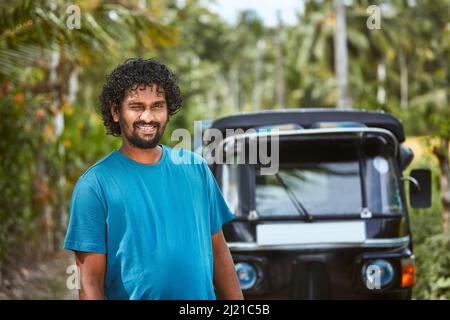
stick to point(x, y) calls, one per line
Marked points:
point(408, 272)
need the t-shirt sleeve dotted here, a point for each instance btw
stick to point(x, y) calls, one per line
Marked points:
point(87, 222)
point(220, 213)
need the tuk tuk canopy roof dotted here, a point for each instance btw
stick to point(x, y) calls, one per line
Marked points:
point(308, 117)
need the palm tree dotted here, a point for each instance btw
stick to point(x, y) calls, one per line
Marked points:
point(341, 57)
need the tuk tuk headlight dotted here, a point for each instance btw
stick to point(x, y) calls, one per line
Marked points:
point(246, 274)
point(378, 274)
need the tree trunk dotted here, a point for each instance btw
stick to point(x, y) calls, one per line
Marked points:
point(279, 68)
point(233, 84)
point(381, 77)
point(403, 80)
point(42, 202)
point(341, 58)
point(258, 66)
point(42, 189)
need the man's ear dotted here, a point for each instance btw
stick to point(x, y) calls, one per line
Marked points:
point(115, 113)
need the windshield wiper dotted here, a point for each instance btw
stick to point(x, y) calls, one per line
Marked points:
point(301, 210)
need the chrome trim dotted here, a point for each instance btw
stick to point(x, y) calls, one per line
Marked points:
point(366, 213)
point(253, 135)
point(369, 243)
point(253, 215)
point(412, 180)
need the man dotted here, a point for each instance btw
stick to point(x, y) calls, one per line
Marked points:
point(143, 226)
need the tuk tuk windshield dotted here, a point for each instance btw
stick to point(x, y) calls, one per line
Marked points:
point(322, 177)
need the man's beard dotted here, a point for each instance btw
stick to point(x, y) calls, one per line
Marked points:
point(136, 141)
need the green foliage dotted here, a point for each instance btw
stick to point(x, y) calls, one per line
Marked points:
point(18, 145)
point(433, 268)
point(431, 244)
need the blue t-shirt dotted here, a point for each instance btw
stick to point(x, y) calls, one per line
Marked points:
point(154, 222)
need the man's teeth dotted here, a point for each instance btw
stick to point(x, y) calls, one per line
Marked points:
point(148, 128)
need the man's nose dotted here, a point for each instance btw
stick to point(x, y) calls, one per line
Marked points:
point(147, 115)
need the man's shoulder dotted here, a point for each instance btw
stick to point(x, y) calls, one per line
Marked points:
point(98, 169)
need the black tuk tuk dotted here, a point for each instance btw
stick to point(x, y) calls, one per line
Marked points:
point(332, 221)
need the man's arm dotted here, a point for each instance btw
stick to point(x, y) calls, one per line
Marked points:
point(92, 274)
point(225, 279)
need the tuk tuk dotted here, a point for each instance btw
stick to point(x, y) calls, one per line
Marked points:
point(332, 221)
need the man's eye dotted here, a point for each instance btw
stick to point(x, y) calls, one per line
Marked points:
point(135, 107)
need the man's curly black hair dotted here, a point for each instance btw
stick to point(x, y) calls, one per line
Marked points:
point(131, 74)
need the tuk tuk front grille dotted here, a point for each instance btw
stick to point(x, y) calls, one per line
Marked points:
point(310, 281)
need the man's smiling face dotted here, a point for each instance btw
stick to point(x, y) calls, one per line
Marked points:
point(143, 116)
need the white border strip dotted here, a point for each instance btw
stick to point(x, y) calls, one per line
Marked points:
point(369, 243)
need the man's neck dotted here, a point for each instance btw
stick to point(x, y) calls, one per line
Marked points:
point(145, 156)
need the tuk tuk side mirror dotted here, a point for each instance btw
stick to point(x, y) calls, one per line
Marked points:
point(406, 157)
point(420, 188)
